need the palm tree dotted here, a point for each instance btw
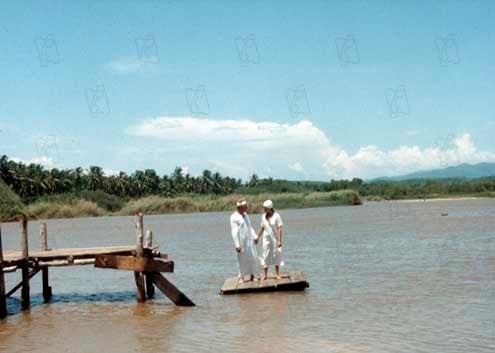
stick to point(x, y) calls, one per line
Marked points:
point(95, 178)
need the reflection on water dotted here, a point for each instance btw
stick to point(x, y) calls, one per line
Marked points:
point(385, 277)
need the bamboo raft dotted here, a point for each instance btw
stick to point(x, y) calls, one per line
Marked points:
point(143, 259)
point(292, 280)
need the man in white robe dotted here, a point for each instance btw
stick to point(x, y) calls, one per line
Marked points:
point(244, 237)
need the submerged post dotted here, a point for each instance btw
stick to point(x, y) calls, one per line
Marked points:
point(3, 299)
point(47, 290)
point(138, 276)
point(150, 289)
point(25, 300)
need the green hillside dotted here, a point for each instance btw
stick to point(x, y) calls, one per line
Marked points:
point(10, 203)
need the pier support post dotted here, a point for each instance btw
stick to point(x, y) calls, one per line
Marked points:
point(150, 289)
point(25, 299)
point(47, 290)
point(3, 299)
point(139, 276)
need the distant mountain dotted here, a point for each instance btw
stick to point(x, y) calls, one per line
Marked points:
point(469, 171)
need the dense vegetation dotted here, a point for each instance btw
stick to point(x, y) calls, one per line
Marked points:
point(32, 181)
point(77, 192)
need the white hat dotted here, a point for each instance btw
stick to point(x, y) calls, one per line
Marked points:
point(268, 204)
point(241, 203)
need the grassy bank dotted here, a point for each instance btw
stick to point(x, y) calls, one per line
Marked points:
point(10, 203)
point(432, 196)
point(67, 207)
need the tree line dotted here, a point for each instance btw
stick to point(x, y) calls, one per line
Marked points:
point(33, 180)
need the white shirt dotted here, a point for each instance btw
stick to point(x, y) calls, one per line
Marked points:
point(270, 225)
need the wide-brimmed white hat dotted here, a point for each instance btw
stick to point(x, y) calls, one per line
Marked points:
point(241, 203)
point(268, 204)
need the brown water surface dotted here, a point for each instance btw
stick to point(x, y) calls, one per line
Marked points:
point(385, 277)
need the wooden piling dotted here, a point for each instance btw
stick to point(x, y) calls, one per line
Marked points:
point(139, 235)
point(149, 239)
point(139, 276)
point(25, 299)
point(47, 290)
point(43, 237)
point(150, 289)
point(3, 299)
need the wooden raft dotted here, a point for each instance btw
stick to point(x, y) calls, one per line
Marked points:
point(292, 280)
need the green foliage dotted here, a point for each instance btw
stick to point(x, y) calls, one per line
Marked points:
point(106, 201)
point(78, 192)
point(392, 190)
point(10, 203)
point(65, 209)
point(32, 182)
point(210, 203)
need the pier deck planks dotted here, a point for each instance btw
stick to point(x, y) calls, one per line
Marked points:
point(13, 256)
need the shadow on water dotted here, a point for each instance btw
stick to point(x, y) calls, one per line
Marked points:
point(14, 303)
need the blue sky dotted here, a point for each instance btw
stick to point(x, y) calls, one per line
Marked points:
point(313, 90)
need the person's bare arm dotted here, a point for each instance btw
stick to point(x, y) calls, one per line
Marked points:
point(279, 236)
point(259, 235)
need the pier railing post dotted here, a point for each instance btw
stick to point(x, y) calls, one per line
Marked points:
point(43, 237)
point(138, 276)
point(25, 300)
point(3, 299)
point(150, 289)
point(47, 290)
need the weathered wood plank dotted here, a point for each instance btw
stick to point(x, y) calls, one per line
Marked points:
point(25, 296)
point(139, 234)
point(47, 290)
point(293, 280)
point(171, 291)
point(131, 263)
point(150, 288)
point(140, 293)
point(61, 263)
point(43, 237)
point(76, 253)
point(231, 283)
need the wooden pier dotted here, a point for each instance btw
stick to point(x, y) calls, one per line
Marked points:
point(143, 259)
point(292, 280)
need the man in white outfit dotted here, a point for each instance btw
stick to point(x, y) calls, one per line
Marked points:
point(244, 237)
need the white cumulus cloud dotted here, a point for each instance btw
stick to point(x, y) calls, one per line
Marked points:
point(240, 147)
